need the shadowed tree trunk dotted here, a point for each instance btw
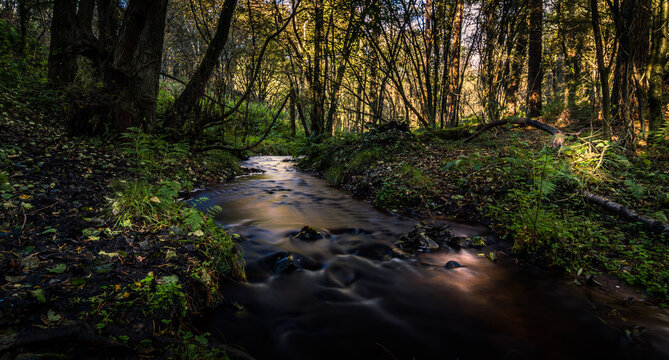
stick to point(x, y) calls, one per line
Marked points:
point(134, 76)
point(127, 60)
point(534, 70)
point(516, 66)
point(292, 108)
point(656, 66)
point(62, 66)
point(601, 68)
point(317, 89)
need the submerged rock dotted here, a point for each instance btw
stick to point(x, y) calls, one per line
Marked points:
point(468, 242)
point(374, 251)
point(285, 265)
point(452, 264)
point(283, 262)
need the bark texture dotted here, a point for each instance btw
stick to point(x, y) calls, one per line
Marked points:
point(534, 71)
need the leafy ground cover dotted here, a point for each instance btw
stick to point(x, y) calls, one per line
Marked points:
point(524, 189)
point(98, 254)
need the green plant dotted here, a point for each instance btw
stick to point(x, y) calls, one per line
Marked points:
point(139, 200)
point(152, 154)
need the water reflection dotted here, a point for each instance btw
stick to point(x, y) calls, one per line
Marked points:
point(342, 296)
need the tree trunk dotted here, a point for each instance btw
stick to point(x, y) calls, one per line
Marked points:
point(601, 68)
point(350, 38)
point(316, 84)
point(134, 76)
point(516, 66)
point(292, 106)
point(656, 66)
point(62, 66)
point(534, 54)
point(195, 89)
point(454, 73)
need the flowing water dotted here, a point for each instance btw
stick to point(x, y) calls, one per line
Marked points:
point(342, 297)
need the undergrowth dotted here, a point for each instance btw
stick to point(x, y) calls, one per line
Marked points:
point(528, 192)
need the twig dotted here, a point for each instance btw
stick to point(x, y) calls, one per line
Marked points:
point(44, 208)
point(25, 217)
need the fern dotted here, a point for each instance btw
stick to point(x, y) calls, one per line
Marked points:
point(636, 190)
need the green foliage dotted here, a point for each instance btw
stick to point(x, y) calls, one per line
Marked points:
point(195, 347)
point(139, 200)
point(164, 294)
point(555, 229)
point(152, 154)
point(406, 185)
point(165, 98)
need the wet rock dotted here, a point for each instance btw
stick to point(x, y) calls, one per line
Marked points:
point(467, 242)
point(452, 264)
point(374, 251)
point(284, 262)
point(440, 233)
point(272, 258)
point(307, 233)
point(285, 265)
point(416, 241)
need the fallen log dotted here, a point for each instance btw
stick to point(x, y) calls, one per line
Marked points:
point(626, 213)
point(558, 135)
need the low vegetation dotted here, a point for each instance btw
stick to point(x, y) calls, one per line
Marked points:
point(525, 189)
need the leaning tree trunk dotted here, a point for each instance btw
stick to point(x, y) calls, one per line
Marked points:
point(194, 90)
point(534, 70)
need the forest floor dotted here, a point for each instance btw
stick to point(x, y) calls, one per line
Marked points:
point(528, 192)
point(98, 257)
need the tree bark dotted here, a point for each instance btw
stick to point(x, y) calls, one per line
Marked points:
point(62, 67)
point(134, 76)
point(317, 88)
point(292, 109)
point(601, 69)
point(516, 66)
point(656, 66)
point(617, 209)
point(535, 72)
point(454, 72)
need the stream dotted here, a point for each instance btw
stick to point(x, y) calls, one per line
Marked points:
point(343, 297)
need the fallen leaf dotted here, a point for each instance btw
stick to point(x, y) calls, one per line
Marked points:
point(58, 269)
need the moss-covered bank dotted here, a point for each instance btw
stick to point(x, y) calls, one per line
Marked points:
point(524, 189)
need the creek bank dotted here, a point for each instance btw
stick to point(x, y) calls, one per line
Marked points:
point(522, 189)
point(78, 281)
